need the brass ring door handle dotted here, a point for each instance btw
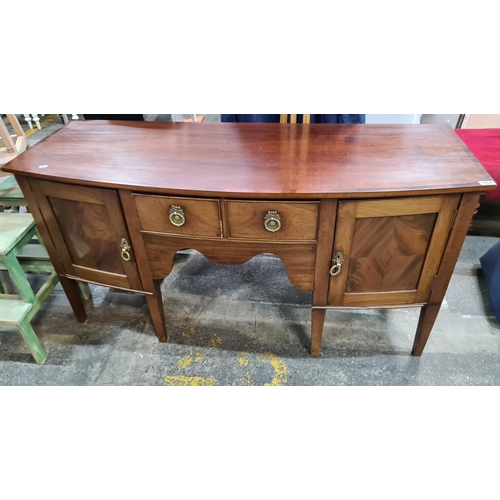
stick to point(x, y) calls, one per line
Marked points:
point(125, 247)
point(337, 262)
point(177, 216)
point(272, 221)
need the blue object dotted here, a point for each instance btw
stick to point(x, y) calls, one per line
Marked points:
point(490, 263)
point(276, 118)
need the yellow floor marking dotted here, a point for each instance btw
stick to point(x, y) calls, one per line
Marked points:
point(185, 362)
point(188, 335)
point(280, 368)
point(215, 340)
point(188, 360)
point(243, 359)
point(188, 381)
point(43, 122)
point(245, 379)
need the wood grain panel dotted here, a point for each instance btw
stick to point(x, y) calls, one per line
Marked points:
point(299, 221)
point(379, 298)
point(90, 244)
point(298, 260)
point(388, 253)
point(389, 260)
point(400, 206)
point(87, 232)
point(203, 216)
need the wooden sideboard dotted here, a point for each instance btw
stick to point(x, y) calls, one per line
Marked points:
point(362, 216)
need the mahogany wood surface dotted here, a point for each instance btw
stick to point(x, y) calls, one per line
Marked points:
point(257, 160)
point(299, 221)
point(155, 306)
point(298, 260)
point(326, 232)
point(87, 226)
point(429, 314)
point(395, 200)
point(391, 258)
point(317, 322)
point(132, 220)
point(388, 253)
point(202, 216)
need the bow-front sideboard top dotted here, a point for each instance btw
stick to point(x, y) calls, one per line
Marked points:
point(362, 216)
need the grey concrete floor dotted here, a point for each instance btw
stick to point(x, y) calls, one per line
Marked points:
point(247, 325)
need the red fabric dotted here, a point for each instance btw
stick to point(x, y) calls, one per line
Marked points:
point(485, 146)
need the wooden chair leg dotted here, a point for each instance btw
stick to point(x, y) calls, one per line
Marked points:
point(85, 290)
point(72, 291)
point(155, 305)
point(317, 322)
point(428, 316)
point(29, 336)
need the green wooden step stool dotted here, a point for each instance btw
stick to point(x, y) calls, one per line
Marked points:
point(10, 192)
point(16, 257)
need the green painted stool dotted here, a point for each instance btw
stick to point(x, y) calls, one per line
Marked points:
point(16, 231)
point(10, 192)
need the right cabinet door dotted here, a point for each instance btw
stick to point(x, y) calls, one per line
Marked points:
point(388, 251)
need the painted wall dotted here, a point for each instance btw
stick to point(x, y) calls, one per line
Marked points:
point(393, 118)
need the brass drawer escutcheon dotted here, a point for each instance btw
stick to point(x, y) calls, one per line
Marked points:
point(337, 262)
point(272, 221)
point(177, 216)
point(125, 249)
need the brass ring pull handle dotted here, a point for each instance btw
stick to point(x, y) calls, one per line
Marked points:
point(272, 221)
point(337, 262)
point(176, 216)
point(125, 249)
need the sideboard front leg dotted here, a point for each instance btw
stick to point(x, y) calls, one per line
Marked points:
point(155, 305)
point(317, 322)
point(72, 291)
point(456, 239)
point(428, 316)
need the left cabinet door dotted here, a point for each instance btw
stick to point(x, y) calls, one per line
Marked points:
point(89, 232)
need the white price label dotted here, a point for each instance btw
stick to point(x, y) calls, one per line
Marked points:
point(487, 183)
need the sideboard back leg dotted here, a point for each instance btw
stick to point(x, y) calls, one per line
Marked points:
point(155, 305)
point(428, 316)
point(72, 291)
point(317, 321)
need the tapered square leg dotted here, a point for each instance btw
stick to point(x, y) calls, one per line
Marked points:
point(317, 322)
point(428, 316)
point(72, 291)
point(155, 305)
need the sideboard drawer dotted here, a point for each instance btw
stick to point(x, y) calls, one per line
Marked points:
point(272, 220)
point(179, 216)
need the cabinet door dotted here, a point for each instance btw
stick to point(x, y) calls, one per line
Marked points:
point(391, 249)
point(87, 227)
